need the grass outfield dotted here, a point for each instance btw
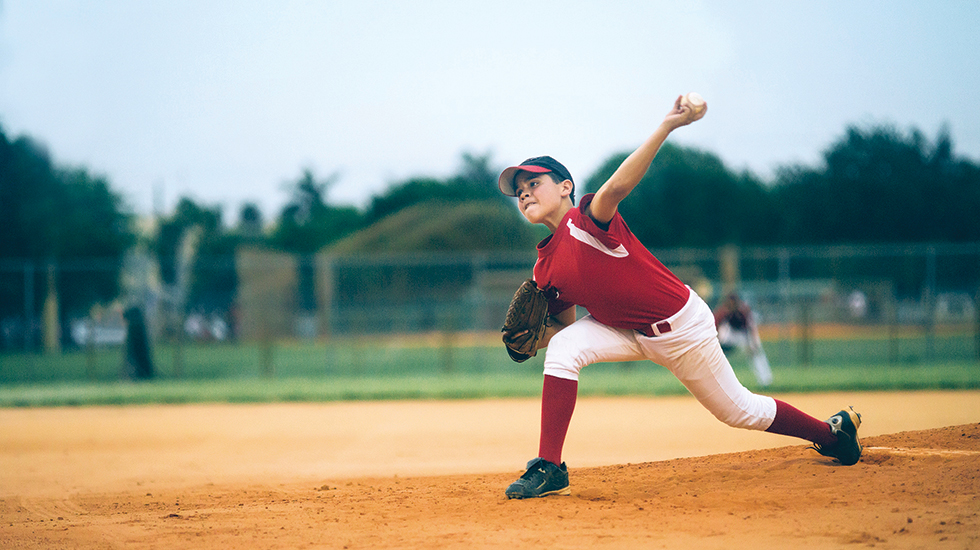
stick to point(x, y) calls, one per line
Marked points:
point(650, 380)
point(460, 368)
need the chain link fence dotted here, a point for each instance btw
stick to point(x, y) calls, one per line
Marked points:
point(875, 303)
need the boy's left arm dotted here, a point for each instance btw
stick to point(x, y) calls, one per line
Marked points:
point(555, 324)
point(631, 171)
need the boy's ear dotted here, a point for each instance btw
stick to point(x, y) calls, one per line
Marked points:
point(566, 188)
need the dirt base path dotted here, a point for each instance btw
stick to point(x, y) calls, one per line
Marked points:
point(645, 473)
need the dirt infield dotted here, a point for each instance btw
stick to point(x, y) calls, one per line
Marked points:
point(645, 473)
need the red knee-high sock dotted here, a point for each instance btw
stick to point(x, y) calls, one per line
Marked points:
point(557, 404)
point(793, 422)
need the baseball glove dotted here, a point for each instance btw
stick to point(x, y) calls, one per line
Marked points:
point(526, 321)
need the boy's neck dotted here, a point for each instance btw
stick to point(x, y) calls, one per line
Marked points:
point(554, 220)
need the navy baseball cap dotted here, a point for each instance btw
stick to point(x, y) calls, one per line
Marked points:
point(535, 165)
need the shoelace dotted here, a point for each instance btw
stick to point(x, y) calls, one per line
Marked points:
point(531, 473)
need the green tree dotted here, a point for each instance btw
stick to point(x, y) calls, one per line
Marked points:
point(689, 198)
point(878, 185)
point(65, 216)
point(93, 226)
point(308, 223)
point(476, 179)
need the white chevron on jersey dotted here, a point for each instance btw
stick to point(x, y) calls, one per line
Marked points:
point(583, 236)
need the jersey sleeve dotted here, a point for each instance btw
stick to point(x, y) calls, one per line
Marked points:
point(604, 232)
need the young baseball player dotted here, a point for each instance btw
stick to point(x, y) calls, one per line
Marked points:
point(737, 329)
point(637, 309)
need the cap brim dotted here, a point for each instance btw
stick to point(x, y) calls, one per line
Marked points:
point(506, 180)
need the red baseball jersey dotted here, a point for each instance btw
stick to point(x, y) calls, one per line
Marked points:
point(606, 271)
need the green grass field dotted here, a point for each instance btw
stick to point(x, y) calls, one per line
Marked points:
point(363, 368)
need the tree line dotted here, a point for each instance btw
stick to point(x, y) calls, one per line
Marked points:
point(873, 185)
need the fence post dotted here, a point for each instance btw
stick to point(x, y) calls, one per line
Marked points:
point(448, 343)
point(178, 362)
point(930, 303)
point(266, 360)
point(976, 325)
point(892, 318)
point(731, 277)
point(325, 284)
point(28, 307)
point(52, 325)
point(89, 348)
point(806, 340)
point(479, 309)
point(785, 329)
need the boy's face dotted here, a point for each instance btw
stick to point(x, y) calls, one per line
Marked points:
point(539, 196)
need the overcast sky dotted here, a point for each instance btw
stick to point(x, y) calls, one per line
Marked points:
point(226, 101)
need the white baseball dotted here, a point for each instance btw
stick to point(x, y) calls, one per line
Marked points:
point(695, 102)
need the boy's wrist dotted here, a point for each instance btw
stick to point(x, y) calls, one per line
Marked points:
point(668, 126)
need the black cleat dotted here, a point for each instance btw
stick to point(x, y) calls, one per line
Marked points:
point(541, 479)
point(845, 426)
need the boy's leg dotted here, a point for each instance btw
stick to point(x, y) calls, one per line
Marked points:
point(708, 375)
point(558, 396)
point(692, 353)
point(705, 371)
point(582, 343)
point(793, 422)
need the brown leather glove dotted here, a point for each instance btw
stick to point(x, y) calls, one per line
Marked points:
point(525, 323)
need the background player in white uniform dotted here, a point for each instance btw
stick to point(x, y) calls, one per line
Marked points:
point(637, 309)
point(738, 330)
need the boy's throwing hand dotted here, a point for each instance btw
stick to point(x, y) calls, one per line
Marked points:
point(682, 114)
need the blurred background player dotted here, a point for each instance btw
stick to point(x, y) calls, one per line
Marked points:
point(738, 330)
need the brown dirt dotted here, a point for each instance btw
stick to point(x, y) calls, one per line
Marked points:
point(645, 473)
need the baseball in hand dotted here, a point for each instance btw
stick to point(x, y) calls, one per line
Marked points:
point(696, 103)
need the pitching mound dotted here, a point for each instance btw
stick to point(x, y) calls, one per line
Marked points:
point(917, 489)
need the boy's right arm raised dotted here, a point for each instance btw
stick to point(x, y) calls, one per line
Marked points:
point(631, 171)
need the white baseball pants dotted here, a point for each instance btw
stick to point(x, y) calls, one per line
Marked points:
point(690, 351)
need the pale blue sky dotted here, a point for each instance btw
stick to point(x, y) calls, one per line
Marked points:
point(224, 101)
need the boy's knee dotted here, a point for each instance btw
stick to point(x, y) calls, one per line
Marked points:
point(750, 415)
point(565, 357)
point(733, 418)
